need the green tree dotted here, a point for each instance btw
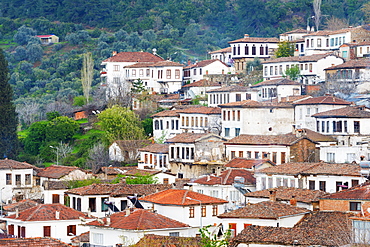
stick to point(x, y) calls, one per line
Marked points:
point(137, 179)
point(285, 49)
point(292, 73)
point(8, 119)
point(120, 123)
point(61, 129)
point(209, 240)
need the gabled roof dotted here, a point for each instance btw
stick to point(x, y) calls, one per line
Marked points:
point(34, 242)
point(56, 171)
point(178, 197)
point(139, 219)
point(192, 137)
point(316, 229)
point(360, 192)
point(265, 210)
point(315, 136)
point(345, 112)
point(205, 63)
point(286, 193)
point(232, 88)
point(300, 59)
point(320, 168)
point(323, 100)
point(247, 163)
point(283, 139)
point(362, 63)
point(134, 57)
point(255, 40)
point(167, 241)
point(227, 178)
point(257, 104)
point(203, 83)
point(22, 205)
point(329, 32)
point(167, 113)
point(118, 189)
point(12, 164)
point(156, 148)
point(276, 82)
point(48, 212)
point(202, 110)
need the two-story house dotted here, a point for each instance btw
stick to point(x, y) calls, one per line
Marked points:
point(196, 72)
point(154, 156)
point(194, 154)
point(198, 88)
point(166, 124)
point(248, 48)
point(201, 119)
point(228, 94)
point(271, 89)
point(224, 55)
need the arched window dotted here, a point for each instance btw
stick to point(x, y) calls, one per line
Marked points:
point(246, 50)
point(253, 50)
point(261, 50)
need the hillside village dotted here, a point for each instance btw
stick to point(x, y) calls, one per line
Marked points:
point(262, 163)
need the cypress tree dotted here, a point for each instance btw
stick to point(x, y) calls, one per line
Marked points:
point(8, 116)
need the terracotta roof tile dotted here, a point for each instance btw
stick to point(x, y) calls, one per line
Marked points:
point(134, 57)
point(34, 242)
point(315, 136)
point(181, 198)
point(47, 212)
point(255, 40)
point(167, 64)
point(360, 192)
point(329, 32)
point(202, 110)
point(227, 178)
point(186, 137)
point(247, 163)
point(276, 82)
point(352, 64)
point(286, 193)
point(22, 205)
point(119, 189)
point(204, 63)
point(56, 171)
point(265, 210)
point(301, 59)
point(320, 168)
point(256, 104)
point(55, 185)
point(232, 88)
point(224, 50)
point(168, 241)
point(284, 139)
point(12, 164)
point(139, 65)
point(82, 238)
point(203, 83)
point(167, 113)
point(139, 219)
point(346, 112)
point(323, 100)
point(156, 148)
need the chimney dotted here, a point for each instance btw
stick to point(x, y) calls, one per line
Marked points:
point(16, 213)
point(279, 98)
point(57, 214)
point(114, 53)
point(128, 211)
point(154, 51)
point(89, 212)
point(108, 221)
point(208, 178)
point(246, 35)
point(272, 195)
point(293, 201)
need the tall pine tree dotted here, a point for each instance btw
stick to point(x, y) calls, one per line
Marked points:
point(8, 116)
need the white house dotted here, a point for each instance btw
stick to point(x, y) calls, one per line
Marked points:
point(328, 177)
point(271, 89)
point(229, 185)
point(224, 55)
point(306, 108)
point(154, 156)
point(17, 180)
point(186, 206)
point(201, 119)
point(228, 94)
point(47, 220)
point(128, 227)
point(196, 72)
point(248, 48)
point(48, 39)
point(199, 88)
point(53, 191)
point(312, 68)
point(166, 124)
point(91, 198)
point(266, 213)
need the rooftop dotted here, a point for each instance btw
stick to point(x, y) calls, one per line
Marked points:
point(227, 177)
point(156, 148)
point(360, 192)
point(257, 104)
point(247, 163)
point(323, 100)
point(135, 57)
point(352, 64)
point(204, 63)
point(224, 50)
point(345, 112)
point(232, 88)
point(56, 171)
point(248, 39)
point(191, 137)
point(167, 241)
point(300, 59)
point(276, 82)
point(284, 139)
point(203, 83)
point(201, 110)
point(34, 242)
point(21, 205)
point(12, 164)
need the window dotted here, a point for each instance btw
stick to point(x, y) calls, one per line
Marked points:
point(253, 50)
point(227, 132)
point(116, 80)
point(282, 157)
point(104, 207)
point(274, 157)
point(351, 157)
point(191, 212)
point(238, 97)
point(203, 210)
point(8, 179)
point(28, 179)
point(311, 185)
point(115, 67)
point(344, 54)
point(356, 126)
point(174, 234)
point(355, 206)
point(237, 133)
point(177, 74)
point(246, 50)
point(134, 72)
point(214, 210)
point(322, 185)
point(241, 154)
point(339, 186)
point(249, 154)
point(55, 198)
point(141, 72)
point(261, 50)
point(168, 74)
point(232, 154)
point(11, 229)
point(345, 126)
point(232, 227)
point(256, 155)
point(47, 231)
point(97, 238)
point(21, 231)
point(92, 204)
point(330, 157)
point(318, 42)
point(18, 180)
point(354, 182)
point(78, 207)
point(71, 230)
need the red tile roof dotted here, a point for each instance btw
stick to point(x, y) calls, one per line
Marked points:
point(201, 110)
point(204, 63)
point(320, 168)
point(284, 139)
point(255, 40)
point(323, 100)
point(181, 198)
point(82, 238)
point(56, 171)
point(301, 59)
point(247, 163)
point(156, 148)
point(315, 136)
point(227, 178)
point(34, 242)
point(286, 193)
point(12, 164)
point(167, 113)
point(352, 64)
point(232, 88)
point(168, 241)
point(329, 32)
point(22, 205)
point(203, 83)
point(134, 57)
point(119, 189)
point(190, 137)
point(47, 212)
point(265, 210)
point(360, 192)
point(345, 112)
point(227, 49)
point(139, 219)
point(276, 82)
